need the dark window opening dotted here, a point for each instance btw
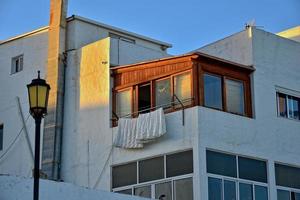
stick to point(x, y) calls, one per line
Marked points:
point(1, 137)
point(144, 99)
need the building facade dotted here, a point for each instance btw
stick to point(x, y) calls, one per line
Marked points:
point(231, 111)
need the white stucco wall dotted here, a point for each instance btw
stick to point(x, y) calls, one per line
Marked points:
point(19, 188)
point(18, 160)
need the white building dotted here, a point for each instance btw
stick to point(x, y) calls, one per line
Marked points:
point(236, 138)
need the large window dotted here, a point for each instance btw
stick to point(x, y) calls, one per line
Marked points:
point(183, 87)
point(123, 102)
point(288, 182)
point(235, 96)
point(213, 91)
point(232, 177)
point(169, 176)
point(223, 93)
point(288, 106)
point(1, 137)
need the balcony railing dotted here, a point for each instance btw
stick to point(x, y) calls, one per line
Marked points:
point(173, 105)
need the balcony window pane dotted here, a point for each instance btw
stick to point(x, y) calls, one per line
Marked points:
point(293, 105)
point(235, 96)
point(220, 163)
point(214, 188)
point(144, 191)
point(283, 195)
point(287, 176)
point(229, 190)
point(251, 169)
point(163, 92)
point(246, 191)
point(151, 169)
point(180, 163)
point(184, 189)
point(182, 87)
point(261, 193)
point(163, 191)
point(213, 91)
point(123, 175)
point(282, 105)
point(123, 103)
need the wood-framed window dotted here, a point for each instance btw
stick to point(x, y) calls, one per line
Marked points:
point(153, 94)
point(226, 90)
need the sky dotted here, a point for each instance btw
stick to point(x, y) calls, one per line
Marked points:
point(187, 24)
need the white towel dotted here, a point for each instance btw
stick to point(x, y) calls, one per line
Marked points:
point(150, 126)
point(126, 135)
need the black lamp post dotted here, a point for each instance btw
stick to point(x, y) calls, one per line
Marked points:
point(38, 92)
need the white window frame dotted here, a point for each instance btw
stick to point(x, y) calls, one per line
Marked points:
point(20, 66)
point(288, 189)
point(238, 180)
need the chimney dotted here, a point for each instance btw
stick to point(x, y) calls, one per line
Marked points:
point(52, 137)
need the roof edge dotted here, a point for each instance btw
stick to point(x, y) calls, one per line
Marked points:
point(113, 28)
point(25, 35)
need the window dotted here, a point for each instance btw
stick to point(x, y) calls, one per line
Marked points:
point(288, 106)
point(230, 99)
point(151, 169)
point(287, 176)
point(144, 99)
point(213, 91)
point(156, 177)
point(182, 87)
point(123, 102)
point(163, 92)
point(179, 163)
point(17, 64)
point(124, 175)
point(235, 96)
point(229, 175)
point(1, 137)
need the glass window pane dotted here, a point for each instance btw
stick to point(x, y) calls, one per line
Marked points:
point(293, 107)
point(261, 193)
point(127, 191)
point(180, 163)
point(214, 189)
point(235, 96)
point(283, 195)
point(287, 176)
point(163, 191)
point(182, 87)
point(229, 190)
point(220, 163)
point(295, 195)
point(282, 105)
point(245, 191)
point(163, 92)
point(123, 103)
point(213, 91)
point(151, 169)
point(184, 189)
point(144, 191)
point(255, 170)
point(123, 175)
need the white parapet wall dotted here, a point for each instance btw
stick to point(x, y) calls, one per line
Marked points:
point(19, 188)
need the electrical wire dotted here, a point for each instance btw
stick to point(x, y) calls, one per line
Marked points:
point(13, 142)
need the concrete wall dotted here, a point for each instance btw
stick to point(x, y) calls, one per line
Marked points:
point(18, 160)
point(236, 48)
point(19, 188)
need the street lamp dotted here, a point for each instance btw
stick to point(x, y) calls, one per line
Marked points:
point(38, 92)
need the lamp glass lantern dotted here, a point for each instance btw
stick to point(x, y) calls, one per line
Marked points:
point(38, 93)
